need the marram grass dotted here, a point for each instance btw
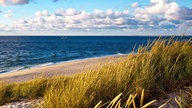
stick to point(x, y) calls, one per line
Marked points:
point(158, 68)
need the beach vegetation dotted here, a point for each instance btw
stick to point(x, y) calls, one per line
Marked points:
point(161, 67)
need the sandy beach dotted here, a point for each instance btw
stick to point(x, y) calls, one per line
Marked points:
point(65, 68)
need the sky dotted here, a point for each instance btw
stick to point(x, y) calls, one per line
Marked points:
point(95, 17)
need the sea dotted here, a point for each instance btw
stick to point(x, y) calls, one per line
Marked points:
point(21, 52)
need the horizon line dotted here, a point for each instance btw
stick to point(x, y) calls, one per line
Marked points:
point(94, 35)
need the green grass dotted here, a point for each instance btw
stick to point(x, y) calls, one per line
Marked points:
point(159, 68)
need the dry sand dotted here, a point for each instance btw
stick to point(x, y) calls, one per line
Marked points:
point(24, 103)
point(65, 68)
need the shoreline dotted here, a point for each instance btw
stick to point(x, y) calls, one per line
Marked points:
point(19, 68)
point(56, 69)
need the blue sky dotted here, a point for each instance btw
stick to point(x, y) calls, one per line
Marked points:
point(95, 17)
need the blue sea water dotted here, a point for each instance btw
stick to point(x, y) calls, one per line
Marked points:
point(20, 52)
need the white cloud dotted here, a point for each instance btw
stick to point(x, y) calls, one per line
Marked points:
point(120, 21)
point(9, 14)
point(167, 24)
point(167, 8)
point(68, 12)
point(173, 12)
point(109, 12)
point(19, 1)
point(108, 20)
point(13, 2)
point(141, 14)
point(125, 12)
point(157, 7)
point(135, 5)
point(73, 19)
point(2, 2)
point(185, 13)
point(16, 2)
point(42, 13)
point(170, 10)
point(160, 1)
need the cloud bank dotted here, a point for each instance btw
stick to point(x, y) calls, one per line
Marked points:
point(164, 15)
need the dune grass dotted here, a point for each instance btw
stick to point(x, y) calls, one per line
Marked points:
point(160, 67)
point(29, 90)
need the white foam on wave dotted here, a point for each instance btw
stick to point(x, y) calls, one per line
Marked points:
point(120, 54)
point(45, 64)
point(2, 71)
point(12, 69)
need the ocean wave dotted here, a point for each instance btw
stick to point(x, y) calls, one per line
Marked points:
point(12, 69)
point(120, 54)
point(44, 64)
